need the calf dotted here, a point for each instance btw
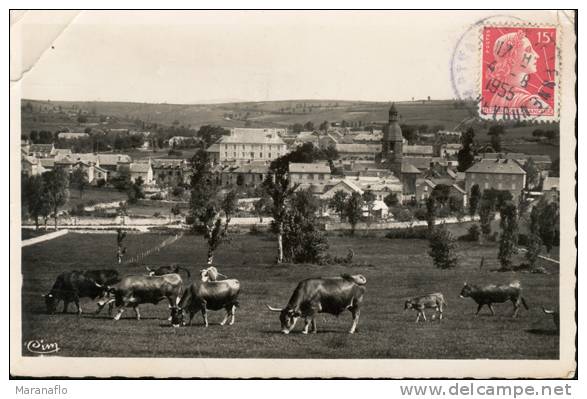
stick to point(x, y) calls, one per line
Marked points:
point(202, 296)
point(490, 294)
point(73, 285)
point(432, 301)
point(136, 290)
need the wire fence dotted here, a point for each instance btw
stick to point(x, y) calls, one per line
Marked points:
point(143, 254)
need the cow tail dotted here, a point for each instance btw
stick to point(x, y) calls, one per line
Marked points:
point(524, 302)
point(444, 302)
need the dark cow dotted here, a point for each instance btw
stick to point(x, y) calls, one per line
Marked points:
point(431, 301)
point(71, 286)
point(555, 317)
point(160, 271)
point(490, 294)
point(136, 290)
point(202, 296)
point(331, 295)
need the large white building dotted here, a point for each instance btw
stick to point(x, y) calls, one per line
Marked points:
point(244, 145)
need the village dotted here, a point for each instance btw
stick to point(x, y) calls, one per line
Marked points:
point(393, 175)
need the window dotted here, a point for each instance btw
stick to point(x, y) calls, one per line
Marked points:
point(252, 154)
point(260, 155)
point(499, 186)
point(486, 185)
point(311, 176)
point(513, 186)
point(269, 155)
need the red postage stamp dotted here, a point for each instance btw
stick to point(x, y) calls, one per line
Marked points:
point(519, 73)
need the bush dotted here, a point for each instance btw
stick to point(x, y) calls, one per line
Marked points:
point(157, 214)
point(418, 232)
point(157, 197)
point(189, 219)
point(100, 183)
point(420, 214)
point(177, 191)
point(473, 234)
point(442, 248)
point(175, 153)
point(404, 215)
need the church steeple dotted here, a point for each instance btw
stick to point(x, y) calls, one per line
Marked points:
point(393, 113)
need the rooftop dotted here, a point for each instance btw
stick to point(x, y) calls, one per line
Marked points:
point(252, 136)
point(309, 168)
point(498, 166)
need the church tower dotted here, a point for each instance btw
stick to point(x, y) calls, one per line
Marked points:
point(392, 143)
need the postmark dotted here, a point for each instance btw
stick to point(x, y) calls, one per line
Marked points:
point(519, 73)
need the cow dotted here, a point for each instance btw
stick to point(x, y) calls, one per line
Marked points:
point(136, 290)
point(202, 296)
point(73, 285)
point(431, 301)
point(160, 271)
point(210, 274)
point(555, 317)
point(490, 294)
point(331, 295)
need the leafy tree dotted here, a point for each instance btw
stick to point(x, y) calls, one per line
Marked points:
point(532, 174)
point(391, 200)
point(441, 193)
point(474, 199)
point(79, 179)
point(277, 186)
point(485, 217)
point(549, 222)
point(262, 206)
point(55, 188)
point(208, 205)
point(309, 126)
point(533, 248)
point(466, 155)
point(497, 198)
point(324, 126)
point(555, 168)
point(509, 235)
point(34, 199)
point(369, 199)
point(431, 213)
point(496, 143)
point(354, 210)
point(442, 248)
point(209, 134)
point(135, 190)
point(338, 202)
point(297, 127)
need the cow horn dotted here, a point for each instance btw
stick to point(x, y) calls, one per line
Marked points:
point(547, 311)
point(271, 308)
point(98, 285)
point(222, 275)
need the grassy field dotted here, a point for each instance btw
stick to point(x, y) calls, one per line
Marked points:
point(395, 269)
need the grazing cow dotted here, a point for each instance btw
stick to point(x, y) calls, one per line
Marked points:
point(555, 317)
point(136, 290)
point(432, 301)
point(160, 271)
point(207, 295)
point(490, 294)
point(323, 295)
point(71, 286)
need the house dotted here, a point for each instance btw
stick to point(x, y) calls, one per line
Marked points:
point(144, 170)
point(247, 175)
point(41, 150)
point(309, 173)
point(344, 185)
point(358, 151)
point(425, 186)
point(379, 210)
point(72, 135)
point(418, 150)
point(542, 162)
point(93, 172)
point(447, 150)
point(31, 166)
point(500, 174)
point(245, 145)
point(170, 172)
point(551, 189)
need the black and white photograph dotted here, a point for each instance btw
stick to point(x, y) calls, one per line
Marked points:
point(293, 193)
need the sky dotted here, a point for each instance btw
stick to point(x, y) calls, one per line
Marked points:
point(207, 57)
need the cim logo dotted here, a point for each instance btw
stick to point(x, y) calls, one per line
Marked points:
point(40, 347)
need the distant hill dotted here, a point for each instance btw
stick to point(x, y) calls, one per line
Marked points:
point(270, 114)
